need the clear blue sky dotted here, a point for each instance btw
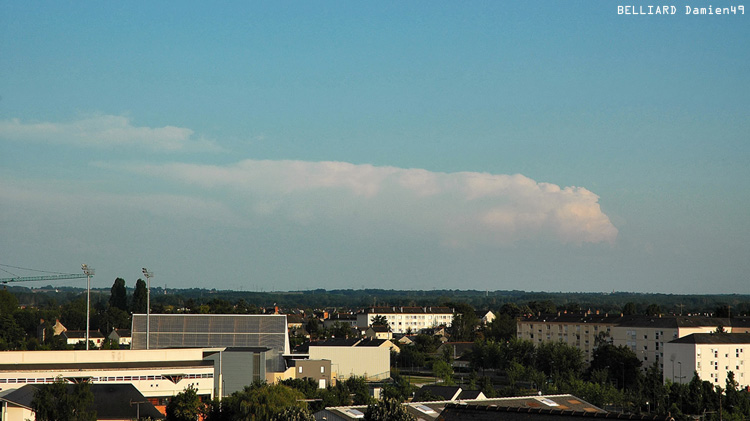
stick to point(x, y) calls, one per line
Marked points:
point(535, 145)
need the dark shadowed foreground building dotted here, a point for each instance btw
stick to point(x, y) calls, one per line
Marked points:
point(111, 402)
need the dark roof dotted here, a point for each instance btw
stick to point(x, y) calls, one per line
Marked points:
point(111, 401)
point(371, 342)
point(410, 310)
point(469, 394)
point(740, 321)
point(445, 392)
point(714, 338)
point(482, 412)
point(667, 322)
point(336, 342)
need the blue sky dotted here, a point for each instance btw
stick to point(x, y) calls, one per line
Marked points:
point(535, 145)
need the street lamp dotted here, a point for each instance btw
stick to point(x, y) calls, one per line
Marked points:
point(148, 276)
point(89, 272)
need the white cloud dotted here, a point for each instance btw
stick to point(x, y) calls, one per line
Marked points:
point(461, 209)
point(106, 131)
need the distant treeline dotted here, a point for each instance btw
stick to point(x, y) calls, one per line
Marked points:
point(615, 302)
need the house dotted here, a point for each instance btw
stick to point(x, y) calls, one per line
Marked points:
point(75, 336)
point(115, 402)
point(121, 336)
point(378, 332)
point(488, 318)
point(341, 318)
point(712, 356)
point(318, 370)
point(294, 321)
point(406, 319)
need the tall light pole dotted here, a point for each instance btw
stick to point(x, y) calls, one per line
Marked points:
point(89, 272)
point(148, 276)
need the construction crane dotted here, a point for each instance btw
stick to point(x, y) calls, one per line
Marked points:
point(51, 276)
point(42, 278)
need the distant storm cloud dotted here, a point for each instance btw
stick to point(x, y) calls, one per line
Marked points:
point(105, 131)
point(460, 209)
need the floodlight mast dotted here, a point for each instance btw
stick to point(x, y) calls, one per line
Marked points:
point(89, 272)
point(148, 276)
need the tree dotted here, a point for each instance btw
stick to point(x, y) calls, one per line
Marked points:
point(118, 297)
point(653, 310)
point(443, 370)
point(140, 297)
point(380, 320)
point(293, 413)
point(185, 406)
point(8, 302)
point(259, 401)
point(62, 402)
point(620, 362)
point(629, 309)
point(465, 323)
point(388, 409)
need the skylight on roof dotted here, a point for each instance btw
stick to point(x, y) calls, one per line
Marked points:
point(547, 402)
point(355, 413)
point(425, 409)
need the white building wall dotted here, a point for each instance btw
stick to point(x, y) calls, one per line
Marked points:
point(712, 362)
point(151, 382)
point(373, 363)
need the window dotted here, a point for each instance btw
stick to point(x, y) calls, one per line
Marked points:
point(322, 370)
point(299, 369)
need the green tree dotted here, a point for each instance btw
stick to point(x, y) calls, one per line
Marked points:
point(629, 309)
point(388, 409)
point(62, 402)
point(293, 413)
point(8, 303)
point(118, 297)
point(443, 370)
point(140, 297)
point(380, 320)
point(185, 406)
point(259, 401)
point(465, 323)
point(621, 365)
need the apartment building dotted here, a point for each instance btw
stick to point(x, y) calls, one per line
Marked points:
point(712, 356)
point(407, 319)
point(645, 335)
point(580, 330)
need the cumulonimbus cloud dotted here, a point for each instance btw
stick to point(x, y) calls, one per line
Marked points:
point(105, 131)
point(459, 208)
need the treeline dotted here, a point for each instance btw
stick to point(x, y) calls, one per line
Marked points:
point(614, 302)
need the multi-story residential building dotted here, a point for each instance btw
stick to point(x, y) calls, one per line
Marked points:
point(580, 330)
point(406, 319)
point(711, 356)
point(645, 335)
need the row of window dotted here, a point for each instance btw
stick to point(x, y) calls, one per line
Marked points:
point(107, 379)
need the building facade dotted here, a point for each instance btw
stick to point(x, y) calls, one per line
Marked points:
point(711, 356)
point(406, 319)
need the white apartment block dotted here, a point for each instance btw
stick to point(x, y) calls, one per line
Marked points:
point(712, 356)
point(645, 335)
point(404, 319)
point(577, 330)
